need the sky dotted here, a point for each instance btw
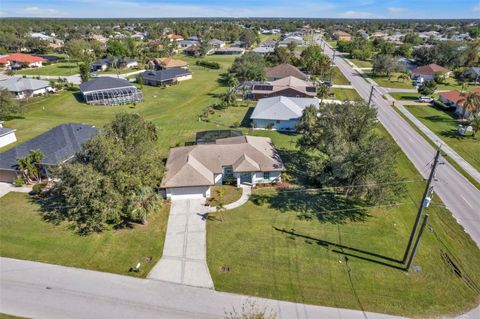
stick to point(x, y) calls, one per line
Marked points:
point(422, 9)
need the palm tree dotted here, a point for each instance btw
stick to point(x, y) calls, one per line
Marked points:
point(471, 104)
point(322, 91)
point(144, 202)
point(30, 166)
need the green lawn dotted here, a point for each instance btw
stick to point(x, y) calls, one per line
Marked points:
point(284, 257)
point(231, 194)
point(361, 64)
point(25, 235)
point(56, 69)
point(392, 83)
point(346, 94)
point(333, 43)
point(444, 125)
point(337, 77)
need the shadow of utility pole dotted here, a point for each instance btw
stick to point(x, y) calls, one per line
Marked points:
point(343, 247)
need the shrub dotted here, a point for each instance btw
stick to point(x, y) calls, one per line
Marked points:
point(37, 188)
point(19, 182)
point(208, 64)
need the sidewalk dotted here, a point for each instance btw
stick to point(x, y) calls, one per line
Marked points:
point(6, 188)
point(184, 258)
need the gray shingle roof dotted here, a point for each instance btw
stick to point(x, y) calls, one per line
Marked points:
point(104, 83)
point(16, 84)
point(4, 131)
point(166, 74)
point(57, 145)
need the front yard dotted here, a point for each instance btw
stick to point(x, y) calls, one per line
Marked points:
point(25, 235)
point(271, 252)
point(55, 69)
point(444, 125)
point(361, 63)
point(394, 82)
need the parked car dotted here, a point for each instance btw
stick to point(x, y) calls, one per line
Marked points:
point(425, 99)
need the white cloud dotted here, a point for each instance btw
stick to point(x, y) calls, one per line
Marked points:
point(396, 10)
point(40, 12)
point(356, 14)
point(476, 8)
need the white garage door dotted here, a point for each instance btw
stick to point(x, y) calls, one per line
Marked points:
point(188, 192)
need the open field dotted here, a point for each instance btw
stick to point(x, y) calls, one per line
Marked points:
point(24, 235)
point(313, 261)
point(56, 69)
point(444, 125)
point(346, 94)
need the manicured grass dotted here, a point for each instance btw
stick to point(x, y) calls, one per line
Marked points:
point(55, 69)
point(337, 77)
point(231, 194)
point(346, 94)
point(392, 83)
point(361, 64)
point(333, 43)
point(25, 235)
point(284, 257)
point(444, 125)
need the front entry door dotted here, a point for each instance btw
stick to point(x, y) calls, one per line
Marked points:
point(245, 177)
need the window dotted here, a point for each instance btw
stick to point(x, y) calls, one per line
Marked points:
point(266, 175)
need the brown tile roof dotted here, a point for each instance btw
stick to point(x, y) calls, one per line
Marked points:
point(456, 96)
point(430, 69)
point(197, 165)
point(284, 70)
point(170, 63)
point(285, 83)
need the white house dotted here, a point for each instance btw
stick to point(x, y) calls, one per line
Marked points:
point(7, 135)
point(25, 87)
point(191, 171)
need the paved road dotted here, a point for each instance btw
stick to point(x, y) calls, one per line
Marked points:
point(184, 258)
point(37, 290)
point(456, 192)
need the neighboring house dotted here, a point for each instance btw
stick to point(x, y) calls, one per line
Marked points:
point(7, 135)
point(427, 72)
point(342, 36)
point(26, 87)
point(262, 50)
point(377, 35)
point(473, 73)
point(58, 145)
point(138, 36)
point(217, 44)
point(456, 100)
point(169, 63)
point(18, 60)
point(295, 39)
point(111, 62)
point(98, 37)
point(174, 37)
point(101, 65)
point(187, 43)
point(229, 51)
point(238, 44)
point(165, 76)
point(127, 63)
point(268, 44)
point(191, 171)
point(280, 112)
point(284, 70)
point(289, 86)
point(194, 50)
point(193, 38)
point(108, 90)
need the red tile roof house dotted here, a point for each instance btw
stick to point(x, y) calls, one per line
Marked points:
point(456, 100)
point(17, 60)
point(427, 72)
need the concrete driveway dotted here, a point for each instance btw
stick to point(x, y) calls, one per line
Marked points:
point(184, 259)
point(6, 188)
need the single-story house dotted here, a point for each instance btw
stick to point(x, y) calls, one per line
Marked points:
point(262, 50)
point(427, 72)
point(238, 44)
point(217, 44)
point(165, 76)
point(127, 63)
point(194, 50)
point(295, 39)
point(101, 65)
point(7, 135)
point(289, 86)
point(174, 37)
point(187, 43)
point(58, 145)
point(193, 38)
point(268, 44)
point(169, 63)
point(191, 171)
point(456, 99)
point(108, 90)
point(18, 60)
point(111, 62)
point(473, 73)
point(26, 87)
point(229, 51)
point(284, 70)
point(342, 36)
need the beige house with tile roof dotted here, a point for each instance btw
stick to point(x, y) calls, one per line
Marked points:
point(192, 170)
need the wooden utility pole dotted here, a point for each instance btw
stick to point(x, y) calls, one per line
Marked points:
point(424, 203)
point(371, 95)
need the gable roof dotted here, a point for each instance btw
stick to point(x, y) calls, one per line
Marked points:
point(430, 69)
point(16, 84)
point(165, 74)
point(21, 58)
point(104, 83)
point(197, 165)
point(170, 63)
point(456, 96)
point(282, 107)
point(289, 82)
point(285, 70)
point(57, 145)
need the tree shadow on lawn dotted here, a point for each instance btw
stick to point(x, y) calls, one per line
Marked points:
point(296, 163)
point(246, 121)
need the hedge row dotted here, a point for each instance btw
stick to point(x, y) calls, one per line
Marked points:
point(208, 64)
